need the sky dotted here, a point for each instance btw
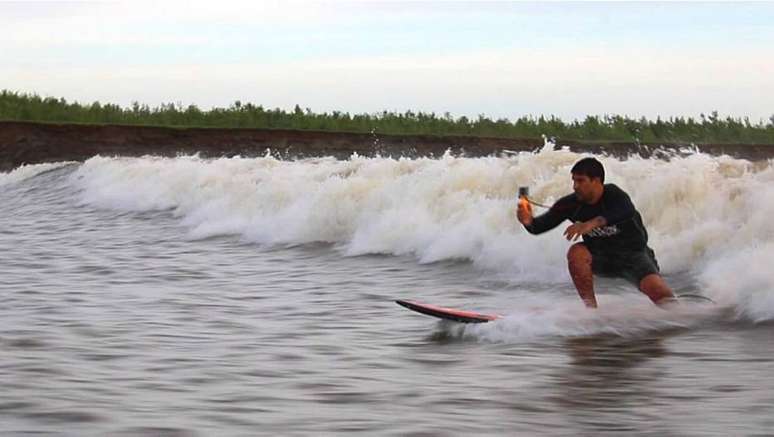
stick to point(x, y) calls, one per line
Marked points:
point(500, 59)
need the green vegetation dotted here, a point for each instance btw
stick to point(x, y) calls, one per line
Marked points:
point(706, 130)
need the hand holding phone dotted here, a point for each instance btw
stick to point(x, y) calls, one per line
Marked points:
point(524, 211)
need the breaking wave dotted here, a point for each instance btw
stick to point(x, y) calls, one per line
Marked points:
point(708, 217)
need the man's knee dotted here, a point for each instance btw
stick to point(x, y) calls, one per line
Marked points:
point(578, 252)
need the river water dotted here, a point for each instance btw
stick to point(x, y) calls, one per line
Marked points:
point(171, 297)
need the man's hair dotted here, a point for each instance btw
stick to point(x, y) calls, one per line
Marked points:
point(589, 167)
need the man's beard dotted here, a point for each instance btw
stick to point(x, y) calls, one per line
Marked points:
point(581, 198)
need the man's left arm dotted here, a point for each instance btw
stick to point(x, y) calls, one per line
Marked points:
point(618, 207)
point(576, 230)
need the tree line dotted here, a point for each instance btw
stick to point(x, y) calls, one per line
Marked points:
point(708, 129)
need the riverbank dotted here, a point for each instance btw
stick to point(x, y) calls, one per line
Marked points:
point(34, 143)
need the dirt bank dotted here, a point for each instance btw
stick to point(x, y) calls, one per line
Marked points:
point(32, 143)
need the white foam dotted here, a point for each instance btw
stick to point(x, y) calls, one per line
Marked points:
point(27, 171)
point(745, 280)
point(565, 316)
point(703, 213)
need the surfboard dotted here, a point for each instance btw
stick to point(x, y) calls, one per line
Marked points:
point(452, 314)
point(693, 298)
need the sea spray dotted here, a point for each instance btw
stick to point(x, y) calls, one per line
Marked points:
point(539, 316)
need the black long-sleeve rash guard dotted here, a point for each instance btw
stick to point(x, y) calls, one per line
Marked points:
point(624, 230)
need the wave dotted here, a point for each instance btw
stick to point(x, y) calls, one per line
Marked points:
point(707, 216)
point(28, 171)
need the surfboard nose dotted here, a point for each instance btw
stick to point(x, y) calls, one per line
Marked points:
point(452, 314)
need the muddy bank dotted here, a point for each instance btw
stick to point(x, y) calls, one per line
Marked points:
point(33, 143)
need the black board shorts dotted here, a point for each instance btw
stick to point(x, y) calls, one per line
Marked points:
point(630, 265)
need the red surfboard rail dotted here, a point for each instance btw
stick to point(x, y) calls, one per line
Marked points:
point(447, 313)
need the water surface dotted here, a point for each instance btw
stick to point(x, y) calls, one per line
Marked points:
point(153, 296)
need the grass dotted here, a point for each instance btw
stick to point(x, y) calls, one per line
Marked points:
point(708, 129)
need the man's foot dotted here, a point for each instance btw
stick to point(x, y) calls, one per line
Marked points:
point(668, 303)
point(657, 290)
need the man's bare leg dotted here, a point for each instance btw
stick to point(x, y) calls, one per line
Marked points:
point(657, 290)
point(579, 263)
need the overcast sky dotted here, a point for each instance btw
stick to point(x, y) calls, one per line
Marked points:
point(467, 58)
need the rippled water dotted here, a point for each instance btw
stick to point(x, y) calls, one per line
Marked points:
point(129, 319)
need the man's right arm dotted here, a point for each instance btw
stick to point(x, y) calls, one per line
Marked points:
point(552, 218)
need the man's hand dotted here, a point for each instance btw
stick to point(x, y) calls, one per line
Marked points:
point(524, 212)
point(576, 230)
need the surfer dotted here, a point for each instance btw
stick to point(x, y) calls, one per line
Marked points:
point(615, 242)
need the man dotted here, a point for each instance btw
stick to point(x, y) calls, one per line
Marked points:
point(615, 242)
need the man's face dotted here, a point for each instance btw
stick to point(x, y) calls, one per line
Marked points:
point(585, 188)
